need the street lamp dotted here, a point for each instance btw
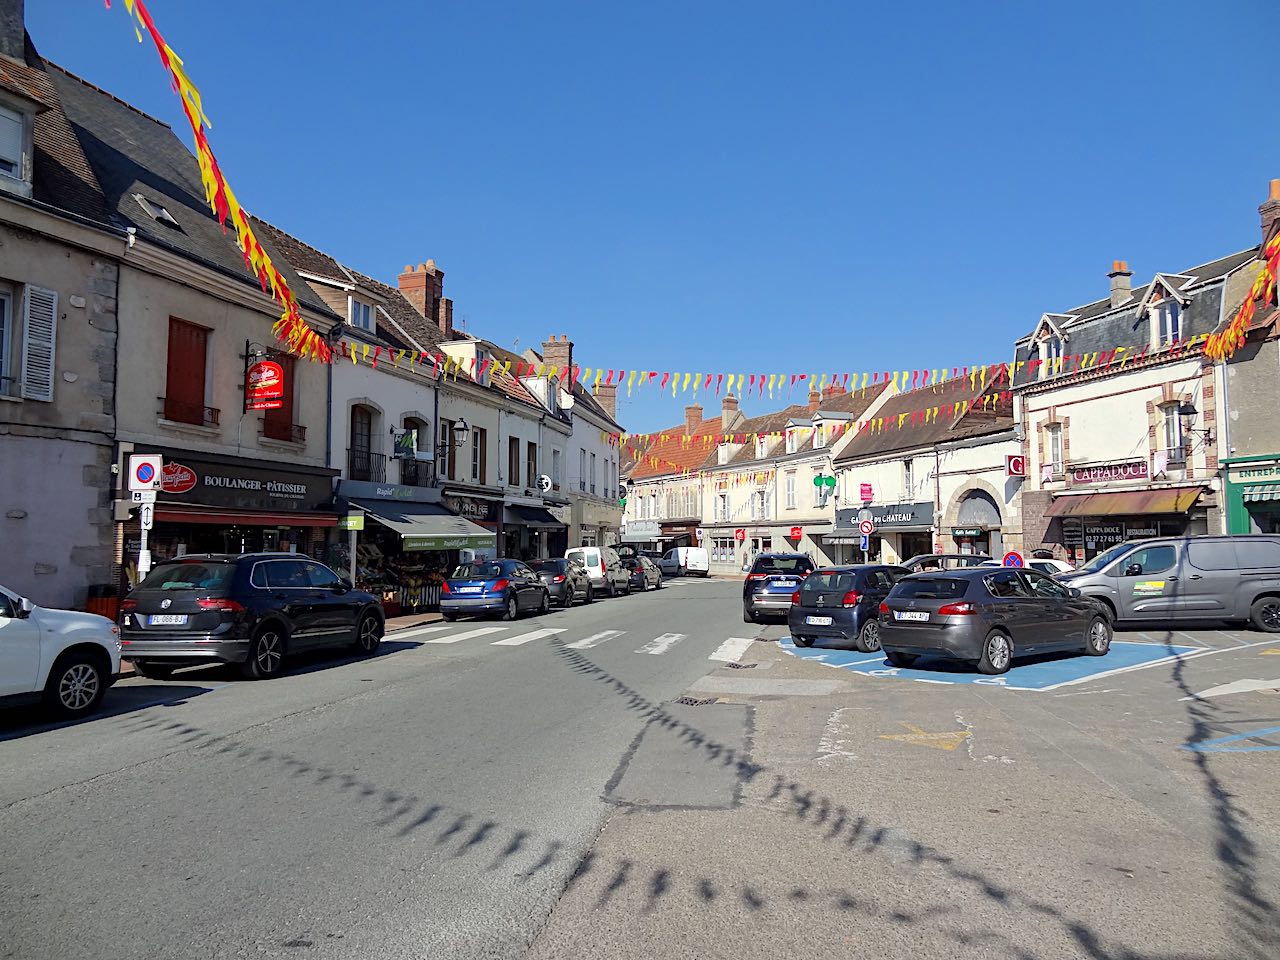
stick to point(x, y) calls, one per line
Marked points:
point(1187, 409)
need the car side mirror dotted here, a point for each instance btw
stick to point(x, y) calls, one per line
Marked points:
point(1133, 570)
point(1076, 593)
point(25, 608)
point(343, 586)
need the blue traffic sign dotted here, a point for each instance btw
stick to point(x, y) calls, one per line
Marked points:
point(146, 472)
point(866, 543)
point(1013, 559)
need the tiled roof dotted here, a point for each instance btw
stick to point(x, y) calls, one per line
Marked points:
point(673, 454)
point(582, 395)
point(939, 429)
point(131, 153)
point(852, 404)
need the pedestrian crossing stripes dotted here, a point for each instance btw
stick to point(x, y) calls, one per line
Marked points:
point(731, 650)
point(586, 643)
point(660, 645)
point(469, 635)
point(528, 637)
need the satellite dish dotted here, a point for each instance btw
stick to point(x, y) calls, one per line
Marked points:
point(544, 482)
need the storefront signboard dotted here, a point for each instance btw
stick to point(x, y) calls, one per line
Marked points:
point(1250, 473)
point(1072, 532)
point(364, 490)
point(473, 508)
point(413, 544)
point(641, 531)
point(353, 521)
point(1135, 531)
point(1110, 472)
point(966, 531)
point(243, 484)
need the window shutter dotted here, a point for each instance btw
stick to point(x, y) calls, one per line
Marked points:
point(484, 456)
point(39, 336)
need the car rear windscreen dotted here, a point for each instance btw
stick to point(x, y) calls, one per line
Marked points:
point(188, 576)
point(588, 558)
point(782, 565)
point(829, 581)
point(477, 571)
point(547, 566)
point(930, 588)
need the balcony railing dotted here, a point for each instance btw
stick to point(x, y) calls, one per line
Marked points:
point(181, 411)
point(416, 473)
point(366, 465)
point(288, 432)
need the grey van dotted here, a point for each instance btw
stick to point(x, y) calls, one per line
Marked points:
point(1187, 578)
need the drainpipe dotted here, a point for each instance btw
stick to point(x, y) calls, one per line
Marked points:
point(937, 496)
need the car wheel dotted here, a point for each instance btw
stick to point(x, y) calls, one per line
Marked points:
point(591, 594)
point(613, 589)
point(803, 641)
point(368, 634)
point(545, 605)
point(76, 685)
point(568, 598)
point(900, 659)
point(511, 611)
point(448, 616)
point(644, 584)
point(266, 654)
point(997, 653)
point(153, 670)
point(1265, 614)
point(748, 616)
point(869, 637)
point(628, 590)
point(1097, 639)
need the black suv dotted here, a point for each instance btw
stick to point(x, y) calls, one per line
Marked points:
point(250, 609)
point(773, 578)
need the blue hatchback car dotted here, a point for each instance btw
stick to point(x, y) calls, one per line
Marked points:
point(773, 578)
point(507, 588)
point(842, 604)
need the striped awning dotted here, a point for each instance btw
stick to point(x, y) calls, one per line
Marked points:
point(1262, 491)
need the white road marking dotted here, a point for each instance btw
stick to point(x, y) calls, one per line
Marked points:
point(968, 744)
point(468, 635)
point(586, 643)
point(662, 644)
point(837, 737)
point(731, 650)
point(528, 637)
point(1236, 686)
point(417, 631)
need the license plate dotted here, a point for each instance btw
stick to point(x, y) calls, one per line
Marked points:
point(167, 619)
point(910, 615)
point(470, 589)
point(818, 621)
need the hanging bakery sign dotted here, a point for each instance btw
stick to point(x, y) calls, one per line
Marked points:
point(264, 386)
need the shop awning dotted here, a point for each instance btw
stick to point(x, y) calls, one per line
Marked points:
point(530, 517)
point(1262, 491)
point(428, 526)
point(1126, 503)
point(172, 513)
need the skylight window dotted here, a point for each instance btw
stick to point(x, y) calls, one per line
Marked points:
point(156, 212)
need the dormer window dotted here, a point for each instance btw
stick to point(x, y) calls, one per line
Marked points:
point(156, 211)
point(792, 441)
point(362, 315)
point(13, 128)
point(762, 447)
point(1049, 352)
point(1166, 322)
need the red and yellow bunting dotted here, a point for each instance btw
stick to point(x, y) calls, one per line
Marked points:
point(291, 328)
point(1222, 345)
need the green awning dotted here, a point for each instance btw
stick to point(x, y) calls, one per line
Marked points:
point(425, 526)
point(1262, 491)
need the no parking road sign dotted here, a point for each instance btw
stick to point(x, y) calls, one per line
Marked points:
point(145, 471)
point(1013, 559)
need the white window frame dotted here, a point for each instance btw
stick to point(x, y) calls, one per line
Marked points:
point(762, 447)
point(555, 469)
point(593, 473)
point(792, 441)
point(1174, 433)
point(9, 385)
point(722, 506)
point(1049, 350)
point(909, 477)
point(1166, 322)
point(582, 469)
point(355, 309)
point(791, 491)
point(1053, 436)
point(20, 174)
point(476, 441)
point(817, 491)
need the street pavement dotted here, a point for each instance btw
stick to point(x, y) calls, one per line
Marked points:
point(651, 777)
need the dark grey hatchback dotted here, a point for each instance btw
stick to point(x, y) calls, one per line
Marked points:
point(249, 609)
point(988, 616)
point(842, 604)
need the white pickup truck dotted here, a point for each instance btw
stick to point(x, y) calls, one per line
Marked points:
point(63, 657)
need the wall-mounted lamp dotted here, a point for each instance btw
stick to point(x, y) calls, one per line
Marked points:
point(1188, 409)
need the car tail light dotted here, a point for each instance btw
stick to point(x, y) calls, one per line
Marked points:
point(795, 597)
point(444, 587)
point(957, 610)
point(757, 576)
point(851, 598)
point(231, 606)
point(501, 584)
point(603, 569)
point(559, 579)
point(884, 609)
point(128, 606)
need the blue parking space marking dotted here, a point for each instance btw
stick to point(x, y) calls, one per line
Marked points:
point(1037, 673)
point(1236, 742)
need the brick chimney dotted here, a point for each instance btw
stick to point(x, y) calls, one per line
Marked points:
point(1121, 285)
point(815, 400)
point(423, 287)
point(692, 418)
point(12, 31)
point(1270, 211)
point(729, 413)
point(558, 354)
point(607, 397)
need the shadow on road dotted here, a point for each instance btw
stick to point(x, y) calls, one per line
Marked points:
point(27, 722)
point(460, 833)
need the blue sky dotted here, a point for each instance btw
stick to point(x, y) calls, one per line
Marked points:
point(714, 186)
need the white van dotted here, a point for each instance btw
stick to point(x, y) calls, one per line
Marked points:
point(604, 569)
point(679, 561)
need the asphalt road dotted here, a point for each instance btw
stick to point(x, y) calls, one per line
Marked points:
point(518, 794)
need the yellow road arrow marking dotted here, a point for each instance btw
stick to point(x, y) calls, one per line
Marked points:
point(1274, 651)
point(939, 741)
